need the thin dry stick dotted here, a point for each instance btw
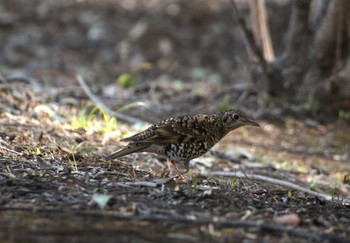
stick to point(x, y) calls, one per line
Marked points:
point(250, 40)
point(261, 29)
point(21, 79)
point(10, 150)
point(142, 183)
point(339, 42)
point(102, 105)
point(240, 174)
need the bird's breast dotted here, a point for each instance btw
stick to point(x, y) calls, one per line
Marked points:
point(186, 151)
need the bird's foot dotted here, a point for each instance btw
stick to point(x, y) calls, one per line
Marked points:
point(181, 177)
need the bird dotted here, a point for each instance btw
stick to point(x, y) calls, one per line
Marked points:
point(185, 137)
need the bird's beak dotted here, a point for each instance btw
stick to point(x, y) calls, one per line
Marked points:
point(253, 123)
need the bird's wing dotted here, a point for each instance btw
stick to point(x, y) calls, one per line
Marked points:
point(174, 130)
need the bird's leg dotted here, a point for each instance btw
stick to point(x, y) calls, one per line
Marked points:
point(181, 177)
point(187, 167)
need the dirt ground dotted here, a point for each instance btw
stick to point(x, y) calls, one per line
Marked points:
point(149, 60)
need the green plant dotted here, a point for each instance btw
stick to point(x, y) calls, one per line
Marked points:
point(335, 189)
point(313, 186)
point(126, 80)
point(38, 151)
point(195, 183)
point(34, 150)
point(74, 150)
point(224, 104)
point(91, 123)
point(344, 115)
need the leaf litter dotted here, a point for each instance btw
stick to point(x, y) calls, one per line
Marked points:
point(55, 183)
point(50, 169)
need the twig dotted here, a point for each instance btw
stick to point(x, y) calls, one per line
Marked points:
point(240, 174)
point(10, 150)
point(261, 29)
point(103, 106)
point(143, 183)
point(80, 183)
point(250, 40)
point(339, 42)
point(20, 79)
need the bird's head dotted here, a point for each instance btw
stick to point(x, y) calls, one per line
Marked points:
point(235, 118)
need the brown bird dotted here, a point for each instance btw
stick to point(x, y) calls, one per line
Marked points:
point(185, 137)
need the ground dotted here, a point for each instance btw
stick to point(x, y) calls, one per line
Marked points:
point(145, 62)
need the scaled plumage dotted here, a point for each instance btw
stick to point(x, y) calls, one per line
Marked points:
point(185, 137)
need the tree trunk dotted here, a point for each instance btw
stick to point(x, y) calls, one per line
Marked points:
point(316, 58)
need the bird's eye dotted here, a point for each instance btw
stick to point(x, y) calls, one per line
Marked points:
point(236, 117)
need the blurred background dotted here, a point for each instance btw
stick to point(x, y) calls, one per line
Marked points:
point(285, 62)
point(277, 57)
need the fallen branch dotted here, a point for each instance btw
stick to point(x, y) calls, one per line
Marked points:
point(240, 174)
point(261, 226)
point(189, 221)
point(103, 106)
point(142, 183)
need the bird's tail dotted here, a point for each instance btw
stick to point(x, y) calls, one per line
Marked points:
point(128, 149)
